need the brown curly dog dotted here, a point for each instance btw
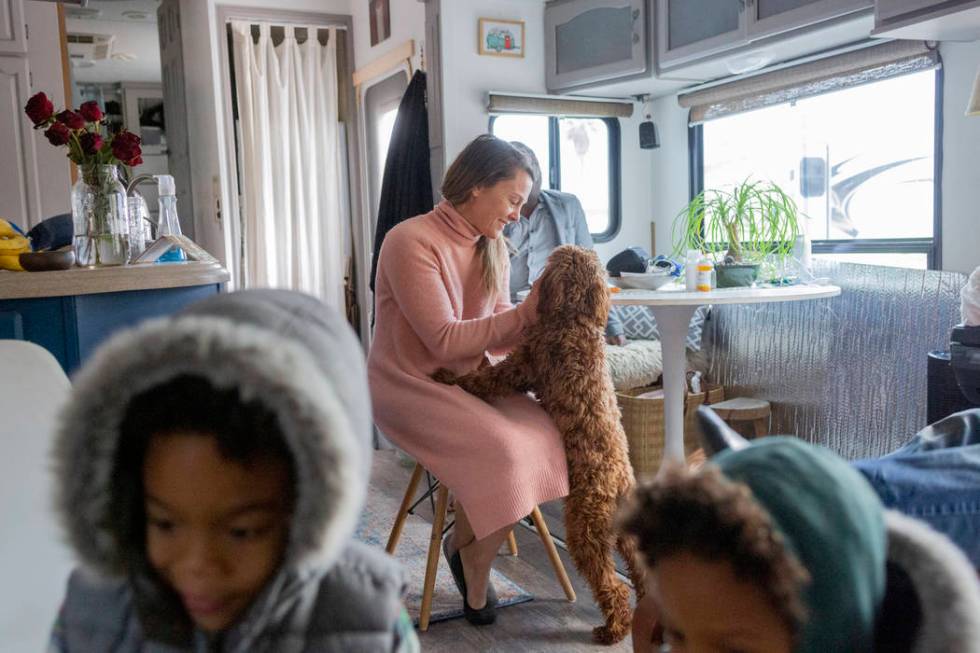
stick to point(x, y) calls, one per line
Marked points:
point(562, 360)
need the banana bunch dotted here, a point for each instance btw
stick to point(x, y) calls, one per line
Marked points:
point(12, 244)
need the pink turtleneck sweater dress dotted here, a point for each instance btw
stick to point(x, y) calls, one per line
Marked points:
point(500, 459)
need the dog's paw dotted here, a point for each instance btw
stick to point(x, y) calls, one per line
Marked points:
point(442, 375)
point(610, 633)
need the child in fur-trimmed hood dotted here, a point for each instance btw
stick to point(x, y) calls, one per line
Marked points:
point(210, 470)
point(780, 546)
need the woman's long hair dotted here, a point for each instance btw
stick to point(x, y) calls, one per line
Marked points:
point(486, 161)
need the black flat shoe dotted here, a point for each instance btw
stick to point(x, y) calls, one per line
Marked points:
point(485, 615)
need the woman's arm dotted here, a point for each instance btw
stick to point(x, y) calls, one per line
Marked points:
point(416, 278)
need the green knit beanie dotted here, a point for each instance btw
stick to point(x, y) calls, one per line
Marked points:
point(832, 521)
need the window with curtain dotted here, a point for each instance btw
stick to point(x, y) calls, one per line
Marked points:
point(858, 153)
point(577, 155)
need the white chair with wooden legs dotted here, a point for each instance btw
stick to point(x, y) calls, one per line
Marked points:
point(438, 530)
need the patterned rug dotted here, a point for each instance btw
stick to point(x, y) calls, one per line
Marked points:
point(412, 551)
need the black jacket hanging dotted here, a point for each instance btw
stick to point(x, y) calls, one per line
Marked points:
point(406, 189)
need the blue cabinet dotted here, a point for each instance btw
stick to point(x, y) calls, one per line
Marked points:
point(72, 327)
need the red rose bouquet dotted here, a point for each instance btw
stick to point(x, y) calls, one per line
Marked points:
point(98, 198)
point(81, 131)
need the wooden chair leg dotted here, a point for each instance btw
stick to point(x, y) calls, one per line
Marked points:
point(760, 426)
point(396, 530)
point(512, 543)
point(552, 550)
point(435, 545)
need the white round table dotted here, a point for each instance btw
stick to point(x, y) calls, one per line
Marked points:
point(673, 308)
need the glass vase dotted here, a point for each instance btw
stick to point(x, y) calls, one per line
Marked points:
point(100, 217)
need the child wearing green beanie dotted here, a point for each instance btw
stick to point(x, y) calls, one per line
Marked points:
point(782, 547)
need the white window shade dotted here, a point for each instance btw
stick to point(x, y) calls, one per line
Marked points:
point(813, 77)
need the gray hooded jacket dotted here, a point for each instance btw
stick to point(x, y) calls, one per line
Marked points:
point(304, 362)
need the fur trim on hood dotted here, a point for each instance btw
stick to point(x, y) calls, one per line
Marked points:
point(945, 583)
point(282, 348)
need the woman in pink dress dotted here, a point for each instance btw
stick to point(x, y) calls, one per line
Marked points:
point(442, 301)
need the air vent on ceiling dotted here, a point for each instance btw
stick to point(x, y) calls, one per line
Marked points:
point(89, 47)
point(86, 13)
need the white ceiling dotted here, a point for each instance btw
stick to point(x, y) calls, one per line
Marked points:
point(136, 37)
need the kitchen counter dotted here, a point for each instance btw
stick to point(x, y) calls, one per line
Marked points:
point(71, 312)
point(86, 281)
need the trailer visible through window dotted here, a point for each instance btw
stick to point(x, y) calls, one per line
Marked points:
point(861, 164)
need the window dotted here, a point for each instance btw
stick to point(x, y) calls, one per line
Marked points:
point(860, 163)
point(383, 129)
point(576, 155)
point(380, 108)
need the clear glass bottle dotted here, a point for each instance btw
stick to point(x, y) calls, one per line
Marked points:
point(169, 224)
point(100, 217)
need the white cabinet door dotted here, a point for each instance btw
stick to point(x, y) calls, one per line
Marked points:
point(13, 35)
point(693, 29)
point(20, 196)
point(768, 17)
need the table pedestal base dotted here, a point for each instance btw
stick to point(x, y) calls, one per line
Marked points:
point(673, 323)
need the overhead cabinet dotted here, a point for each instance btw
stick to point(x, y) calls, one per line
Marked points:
point(691, 30)
point(595, 41)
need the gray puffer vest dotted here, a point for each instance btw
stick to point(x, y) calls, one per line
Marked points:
point(304, 362)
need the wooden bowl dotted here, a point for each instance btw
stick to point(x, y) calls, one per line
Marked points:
point(59, 259)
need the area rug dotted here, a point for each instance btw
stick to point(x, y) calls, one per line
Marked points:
point(412, 551)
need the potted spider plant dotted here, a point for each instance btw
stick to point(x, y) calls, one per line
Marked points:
point(754, 222)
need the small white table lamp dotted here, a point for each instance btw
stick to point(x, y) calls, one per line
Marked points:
point(973, 109)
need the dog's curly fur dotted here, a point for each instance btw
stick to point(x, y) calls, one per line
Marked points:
point(562, 360)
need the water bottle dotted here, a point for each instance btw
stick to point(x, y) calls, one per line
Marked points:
point(691, 270)
point(169, 224)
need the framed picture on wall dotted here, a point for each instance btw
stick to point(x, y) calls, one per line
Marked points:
point(501, 38)
point(380, 15)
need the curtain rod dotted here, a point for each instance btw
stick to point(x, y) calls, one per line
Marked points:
point(255, 22)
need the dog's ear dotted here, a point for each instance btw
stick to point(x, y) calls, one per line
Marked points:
point(593, 280)
point(547, 295)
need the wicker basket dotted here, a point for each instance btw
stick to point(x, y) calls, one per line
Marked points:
point(643, 421)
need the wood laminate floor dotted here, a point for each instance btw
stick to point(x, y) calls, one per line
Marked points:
point(548, 623)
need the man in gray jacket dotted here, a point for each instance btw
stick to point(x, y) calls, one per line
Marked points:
point(210, 471)
point(549, 218)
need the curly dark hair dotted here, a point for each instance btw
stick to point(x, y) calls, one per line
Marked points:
point(245, 431)
point(707, 515)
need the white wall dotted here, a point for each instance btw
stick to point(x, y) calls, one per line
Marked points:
point(44, 58)
point(467, 76)
point(407, 22)
point(961, 159)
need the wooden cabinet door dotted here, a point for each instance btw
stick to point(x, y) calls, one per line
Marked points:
point(20, 195)
point(767, 17)
point(693, 29)
point(13, 31)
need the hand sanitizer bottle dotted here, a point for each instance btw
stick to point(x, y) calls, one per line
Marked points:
point(169, 224)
